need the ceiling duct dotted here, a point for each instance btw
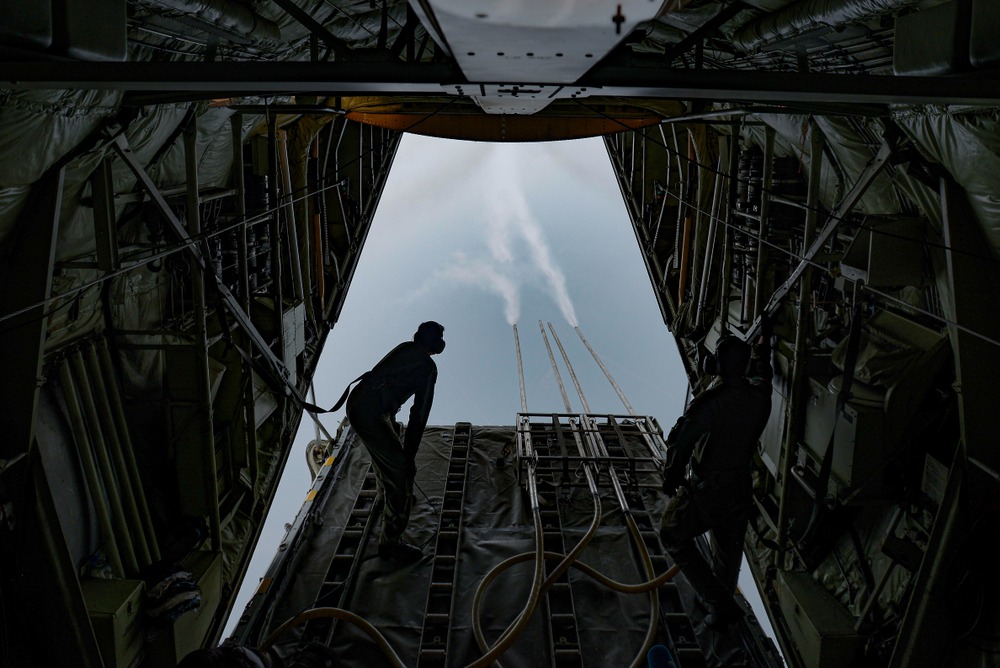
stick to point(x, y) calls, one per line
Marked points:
point(806, 16)
point(227, 16)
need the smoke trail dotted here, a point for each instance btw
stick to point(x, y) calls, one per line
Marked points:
point(511, 214)
point(485, 276)
point(515, 242)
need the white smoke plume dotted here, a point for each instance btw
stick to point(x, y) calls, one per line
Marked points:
point(511, 215)
point(485, 276)
point(518, 250)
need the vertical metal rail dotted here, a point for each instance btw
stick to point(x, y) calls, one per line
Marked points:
point(563, 630)
point(347, 557)
point(765, 212)
point(274, 228)
point(207, 429)
point(555, 369)
point(249, 401)
point(727, 233)
point(520, 371)
point(436, 636)
point(713, 224)
point(297, 265)
point(794, 413)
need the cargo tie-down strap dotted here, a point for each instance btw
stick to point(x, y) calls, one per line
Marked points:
point(315, 410)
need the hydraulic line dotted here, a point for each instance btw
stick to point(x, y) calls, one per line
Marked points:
point(536, 585)
point(593, 573)
point(346, 615)
point(599, 451)
point(557, 573)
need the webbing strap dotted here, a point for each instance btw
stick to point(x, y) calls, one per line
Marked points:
point(314, 409)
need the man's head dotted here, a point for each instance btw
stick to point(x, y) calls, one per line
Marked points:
point(731, 358)
point(431, 336)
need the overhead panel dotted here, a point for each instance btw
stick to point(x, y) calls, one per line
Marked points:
point(516, 44)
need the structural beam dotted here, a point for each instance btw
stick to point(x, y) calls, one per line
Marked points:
point(339, 47)
point(276, 366)
point(846, 205)
point(637, 75)
point(23, 328)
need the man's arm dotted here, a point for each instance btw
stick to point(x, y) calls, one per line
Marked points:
point(419, 412)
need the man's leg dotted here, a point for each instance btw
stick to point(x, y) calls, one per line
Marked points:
point(682, 523)
point(386, 452)
point(727, 546)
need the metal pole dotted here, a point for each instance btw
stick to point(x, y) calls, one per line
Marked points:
point(90, 468)
point(607, 374)
point(239, 201)
point(132, 466)
point(572, 374)
point(207, 444)
point(129, 502)
point(797, 391)
point(520, 371)
point(297, 265)
point(765, 211)
point(713, 221)
point(275, 229)
point(552, 360)
point(104, 464)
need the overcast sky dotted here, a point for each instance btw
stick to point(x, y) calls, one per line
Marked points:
point(479, 236)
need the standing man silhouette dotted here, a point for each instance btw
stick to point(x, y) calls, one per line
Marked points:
point(711, 450)
point(406, 371)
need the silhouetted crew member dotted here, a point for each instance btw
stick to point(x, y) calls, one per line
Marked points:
point(713, 443)
point(407, 371)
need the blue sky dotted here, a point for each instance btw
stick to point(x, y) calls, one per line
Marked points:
point(477, 236)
